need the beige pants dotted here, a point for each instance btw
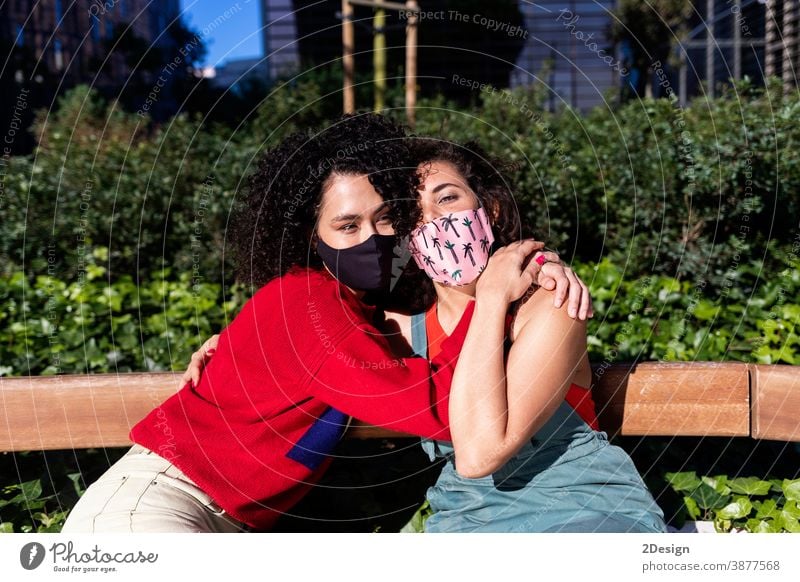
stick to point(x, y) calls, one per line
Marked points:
point(143, 492)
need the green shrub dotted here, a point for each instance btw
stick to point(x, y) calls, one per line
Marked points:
point(655, 317)
point(52, 326)
point(743, 503)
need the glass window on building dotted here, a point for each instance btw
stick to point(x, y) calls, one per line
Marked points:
point(20, 40)
point(95, 29)
point(58, 53)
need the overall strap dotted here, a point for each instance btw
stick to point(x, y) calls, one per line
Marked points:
point(419, 335)
point(419, 343)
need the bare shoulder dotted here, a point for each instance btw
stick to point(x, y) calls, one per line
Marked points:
point(538, 310)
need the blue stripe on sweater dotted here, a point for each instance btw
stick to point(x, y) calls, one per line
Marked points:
point(318, 441)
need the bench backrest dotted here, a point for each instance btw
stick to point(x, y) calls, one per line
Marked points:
point(673, 399)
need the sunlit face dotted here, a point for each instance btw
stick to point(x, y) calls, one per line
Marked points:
point(351, 211)
point(444, 191)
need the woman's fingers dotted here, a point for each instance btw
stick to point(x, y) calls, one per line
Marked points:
point(562, 283)
point(510, 271)
point(526, 246)
point(199, 359)
point(554, 275)
point(575, 294)
point(585, 309)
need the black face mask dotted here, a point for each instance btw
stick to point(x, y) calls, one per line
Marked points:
point(366, 266)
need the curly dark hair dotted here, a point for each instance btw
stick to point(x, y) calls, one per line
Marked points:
point(275, 221)
point(486, 176)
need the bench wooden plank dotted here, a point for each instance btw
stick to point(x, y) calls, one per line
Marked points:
point(673, 399)
point(776, 402)
point(77, 411)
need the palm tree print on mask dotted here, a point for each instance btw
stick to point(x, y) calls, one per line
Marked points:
point(468, 223)
point(449, 222)
point(468, 253)
point(450, 246)
point(438, 247)
point(456, 275)
point(485, 245)
point(425, 240)
point(429, 262)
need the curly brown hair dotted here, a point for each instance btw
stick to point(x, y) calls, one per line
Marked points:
point(275, 221)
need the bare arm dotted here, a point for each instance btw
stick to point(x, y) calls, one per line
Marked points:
point(494, 409)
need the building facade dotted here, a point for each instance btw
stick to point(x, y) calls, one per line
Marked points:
point(70, 40)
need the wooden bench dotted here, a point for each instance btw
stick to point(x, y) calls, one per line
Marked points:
point(650, 399)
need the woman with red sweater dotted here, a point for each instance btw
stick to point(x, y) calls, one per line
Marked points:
point(316, 233)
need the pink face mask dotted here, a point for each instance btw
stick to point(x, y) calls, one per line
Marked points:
point(453, 249)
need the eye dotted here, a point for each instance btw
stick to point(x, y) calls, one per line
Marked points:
point(350, 227)
point(448, 197)
point(386, 218)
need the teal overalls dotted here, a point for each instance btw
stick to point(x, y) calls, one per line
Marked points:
point(567, 478)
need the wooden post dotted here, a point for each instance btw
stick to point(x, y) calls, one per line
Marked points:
point(771, 37)
point(791, 43)
point(379, 57)
point(348, 41)
point(411, 63)
point(710, 46)
point(737, 41)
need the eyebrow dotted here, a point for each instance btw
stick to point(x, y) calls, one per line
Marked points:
point(444, 185)
point(351, 217)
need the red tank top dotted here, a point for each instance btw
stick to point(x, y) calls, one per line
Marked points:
point(578, 397)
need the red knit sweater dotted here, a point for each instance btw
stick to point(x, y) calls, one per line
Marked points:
point(300, 358)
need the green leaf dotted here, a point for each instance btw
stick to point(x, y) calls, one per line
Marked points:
point(684, 481)
point(691, 507)
point(767, 509)
point(792, 508)
point(31, 489)
point(741, 507)
point(762, 526)
point(791, 489)
point(417, 523)
point(29, 493)
point(706, 310)
point(756, 526)
point(76, 483)
point(749, 486)
point(789, 523)
point(719, 483)
point(707, 498)
point(6, 527)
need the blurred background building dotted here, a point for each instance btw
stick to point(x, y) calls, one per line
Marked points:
point(584, 51)
point(581, 53)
